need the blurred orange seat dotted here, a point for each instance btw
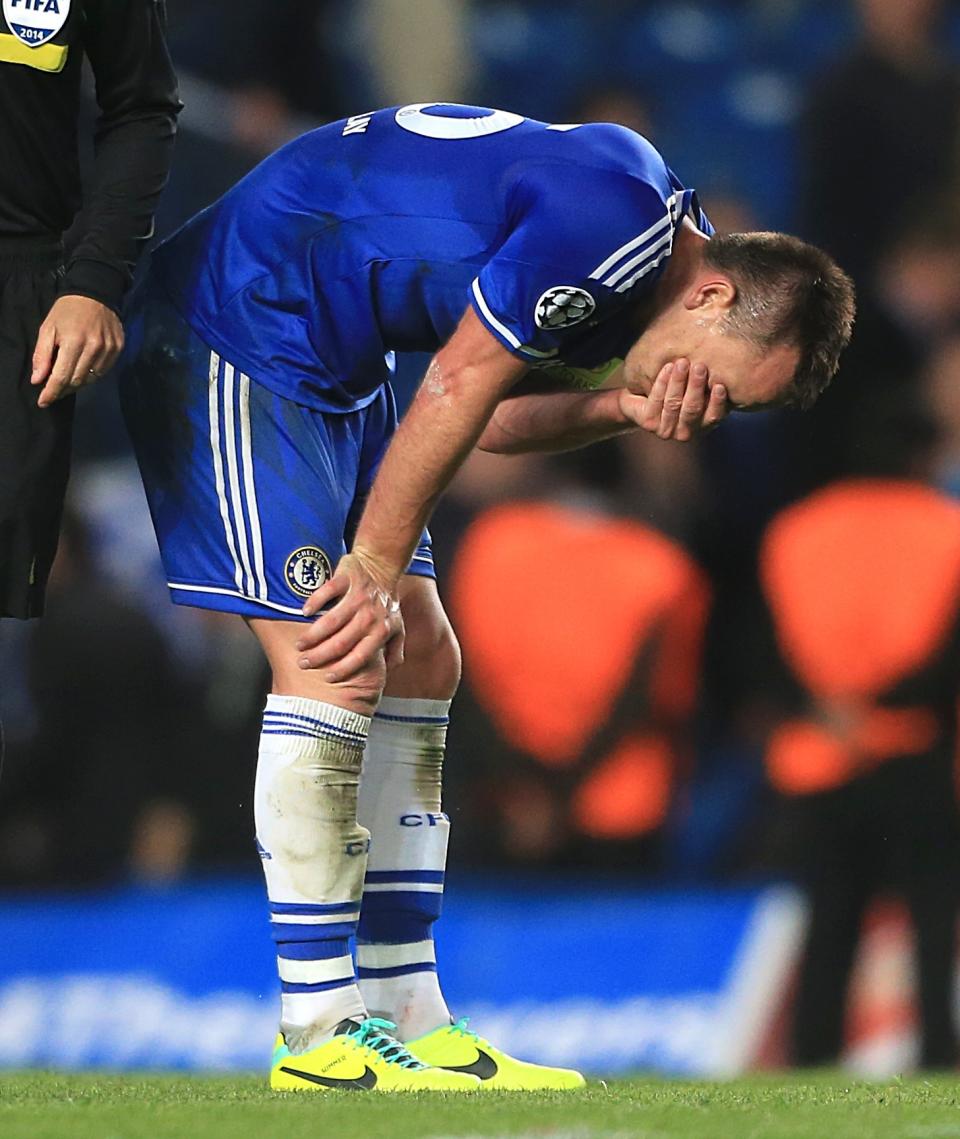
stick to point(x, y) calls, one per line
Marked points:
point(553, 607)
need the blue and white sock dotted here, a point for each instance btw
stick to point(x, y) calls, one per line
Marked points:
point(314, 856)
point(403, 890)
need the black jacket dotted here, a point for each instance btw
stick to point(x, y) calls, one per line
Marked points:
point(40, 190)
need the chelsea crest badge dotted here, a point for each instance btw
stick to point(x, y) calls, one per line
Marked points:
point(35, 22)
point(307, 569)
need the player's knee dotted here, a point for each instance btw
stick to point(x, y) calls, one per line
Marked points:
point(431, 655)
point(361, 693)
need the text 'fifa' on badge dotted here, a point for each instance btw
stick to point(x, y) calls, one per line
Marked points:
point(307, 569)
point(562, 306)
point(35, 22)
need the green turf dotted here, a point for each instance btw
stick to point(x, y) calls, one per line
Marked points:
point(803, 1106)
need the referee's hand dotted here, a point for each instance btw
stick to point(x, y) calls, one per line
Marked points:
point(77, 343)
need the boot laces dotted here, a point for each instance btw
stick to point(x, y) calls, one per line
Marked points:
point(377, 1034)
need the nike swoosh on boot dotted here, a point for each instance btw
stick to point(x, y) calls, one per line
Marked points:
point(484, 1067)
point(365, 1082)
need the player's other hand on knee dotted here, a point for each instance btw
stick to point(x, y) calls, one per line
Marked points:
point(79, 341)
point(680, 404)
point(363, 621)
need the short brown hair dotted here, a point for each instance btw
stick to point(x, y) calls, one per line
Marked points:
point(788, 292)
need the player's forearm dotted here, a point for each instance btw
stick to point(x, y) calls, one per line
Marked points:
point(437, 433)
point(554, 421)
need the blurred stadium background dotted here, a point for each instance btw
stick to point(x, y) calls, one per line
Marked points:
point(704, 786)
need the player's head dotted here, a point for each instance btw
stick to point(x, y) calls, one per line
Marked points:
point(767, 313)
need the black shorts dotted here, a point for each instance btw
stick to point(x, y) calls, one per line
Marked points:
point(34, 443)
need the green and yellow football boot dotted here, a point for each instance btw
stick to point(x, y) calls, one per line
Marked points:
point(457, 1049)
point(362, 1055)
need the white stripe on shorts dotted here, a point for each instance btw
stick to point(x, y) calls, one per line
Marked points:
point(214, 409)
point(246, 450)
point(233, 475)
point(186, 587)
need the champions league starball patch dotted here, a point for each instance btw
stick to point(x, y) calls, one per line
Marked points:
point(562, 306)
point(307, 569)
point(35, 22)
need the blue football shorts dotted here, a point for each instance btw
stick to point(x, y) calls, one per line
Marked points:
point(254, 498)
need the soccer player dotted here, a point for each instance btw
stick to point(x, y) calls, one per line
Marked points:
point(256, 389)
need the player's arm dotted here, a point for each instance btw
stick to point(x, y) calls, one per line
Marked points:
point(678, 406)
point(464, 383)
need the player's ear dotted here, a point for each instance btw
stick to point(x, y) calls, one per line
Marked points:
point(716, 292)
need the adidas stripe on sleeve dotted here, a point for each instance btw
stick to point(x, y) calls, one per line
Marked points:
point(585, 240)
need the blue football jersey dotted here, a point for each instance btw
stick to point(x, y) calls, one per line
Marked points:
point(372, 235)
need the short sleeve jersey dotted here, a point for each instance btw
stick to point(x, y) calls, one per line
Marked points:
point(373, 234)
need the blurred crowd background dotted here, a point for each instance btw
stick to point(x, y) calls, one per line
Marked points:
point(736, 660)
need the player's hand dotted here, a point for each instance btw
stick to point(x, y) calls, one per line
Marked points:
point(77, 343)
point(364, 621)
point(679, 405)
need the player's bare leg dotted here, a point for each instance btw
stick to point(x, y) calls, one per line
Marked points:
point(278, 639)
point(400, 804)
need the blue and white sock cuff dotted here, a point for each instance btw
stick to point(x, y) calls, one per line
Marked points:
point(299, 719)
point(400, 710)
point(315, 976)
point(384, 961)
point(403, 881)
point(295, 921)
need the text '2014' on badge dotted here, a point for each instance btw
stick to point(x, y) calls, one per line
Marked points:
point(35, 22)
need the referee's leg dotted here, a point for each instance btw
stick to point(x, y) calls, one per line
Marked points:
point(34, 442)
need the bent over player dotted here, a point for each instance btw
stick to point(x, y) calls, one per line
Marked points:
point(256, 389)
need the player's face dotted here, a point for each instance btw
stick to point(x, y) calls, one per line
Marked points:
point(754, 378)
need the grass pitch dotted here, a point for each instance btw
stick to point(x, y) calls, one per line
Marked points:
point(38, 1105)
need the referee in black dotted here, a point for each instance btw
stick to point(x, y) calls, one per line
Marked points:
point(61, 292)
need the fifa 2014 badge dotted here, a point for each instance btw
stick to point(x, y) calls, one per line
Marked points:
point(35, 22)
